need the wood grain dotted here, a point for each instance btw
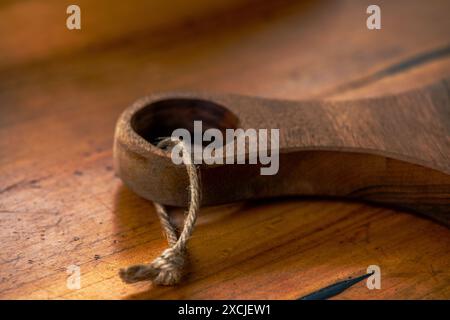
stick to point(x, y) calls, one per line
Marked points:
point(61, 204)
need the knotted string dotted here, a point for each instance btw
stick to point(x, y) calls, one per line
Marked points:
point(167, 269)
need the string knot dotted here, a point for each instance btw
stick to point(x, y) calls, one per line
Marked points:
point(166, 270)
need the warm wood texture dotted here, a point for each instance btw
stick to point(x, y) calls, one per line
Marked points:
point(60, 203)
point(390, 150)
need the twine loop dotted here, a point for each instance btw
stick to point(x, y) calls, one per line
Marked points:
point(167, 269)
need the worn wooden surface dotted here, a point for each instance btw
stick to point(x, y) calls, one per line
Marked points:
point(61, 93)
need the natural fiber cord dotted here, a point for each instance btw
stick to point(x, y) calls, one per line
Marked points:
point(167, 269)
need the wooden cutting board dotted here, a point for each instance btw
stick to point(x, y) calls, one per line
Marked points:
point(392, 150)
point(61, 93)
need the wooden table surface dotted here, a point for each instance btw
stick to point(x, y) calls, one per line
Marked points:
point(61, 92)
